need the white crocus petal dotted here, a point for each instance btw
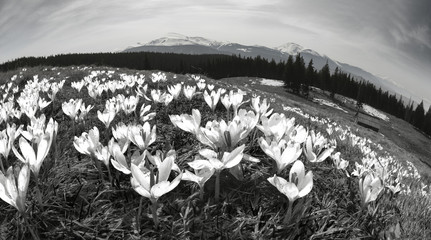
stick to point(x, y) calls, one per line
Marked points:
point(119, 161)
point(189, 176)
point(10, 192)
point(299, 134)
point(299, 184)
point(188, 123)
point(164, 187)
point(250, 158)
point(216, 164)
point(165, 169)
point(139, 189)
point(287, 188)
point(160, 189)
point(266, 148)
point(208, 153)
point(4, 194)
point(233, 158)
point(26, 149)
point(143, 179)
point(200, 164)
point(23, 181)
point(308, 150)
point(290, 154)
point(325, 154)
point(306, 184)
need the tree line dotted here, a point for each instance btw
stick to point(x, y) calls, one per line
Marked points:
point(297, 75)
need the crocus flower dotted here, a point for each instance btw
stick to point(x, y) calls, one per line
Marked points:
point(71, 108)
point(225, 100)
point(160, 156)
point(142, 90)
point(42, 103)
point(119, 161)
point(12, 191)
point(158, 77)
point(142, 136)
point(107, 116)
point(228, 160)
point(141, 180)
point(144, 113)
point(175, 90)
point(7, 138)
point(78, 85)
point(161, 97)
point(84, 111)
point(201, 84)
point(316, 148)
point(188, 123)
point(212, 99)
point(121, 134)
point(129, 104)
point(35, 159)
point(189, 92)
point(261, 108)
point(339, 163)
point(222, 135)
point(237, 100)
point(296, 133)
point(275, 126)
point(282, 152)
point(88, 143)
point(369, 187)
point(299, 184)
point(36, 129)
point(200, 176)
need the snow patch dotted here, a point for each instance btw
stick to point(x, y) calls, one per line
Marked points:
point(271, 82)
point(368, 109)
point(374, 112)
point(175, 39)
point(290, 48)
point(243, 49)
point(328, 103)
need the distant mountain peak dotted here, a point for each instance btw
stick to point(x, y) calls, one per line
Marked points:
point(176, 39)
point(290, 48)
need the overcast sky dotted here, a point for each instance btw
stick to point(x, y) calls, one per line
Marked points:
point(389, 38)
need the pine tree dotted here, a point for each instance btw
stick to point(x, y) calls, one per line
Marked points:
point(408, 116)
point(427, 122)
point(325, 77)
point(288, 72)
point(419, 116)
point(309, 78)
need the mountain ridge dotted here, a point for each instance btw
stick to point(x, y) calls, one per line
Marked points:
point(178, 43)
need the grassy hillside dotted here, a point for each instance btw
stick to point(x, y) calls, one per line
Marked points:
point(143, 163)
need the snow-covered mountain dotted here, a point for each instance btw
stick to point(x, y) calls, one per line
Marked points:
point(175, 39)
point(177, 43)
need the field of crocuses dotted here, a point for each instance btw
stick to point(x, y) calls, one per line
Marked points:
point(104, 153)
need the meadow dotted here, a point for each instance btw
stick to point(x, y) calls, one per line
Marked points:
point(108, 153)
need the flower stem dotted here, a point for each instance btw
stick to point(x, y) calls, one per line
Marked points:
point(38, 193)
point(201, 193)
point(30, 229)
point(288, 216)
point(154, 212)
point(138, 216)
point(96, 162)
point(217, 187)
point(110, 175)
